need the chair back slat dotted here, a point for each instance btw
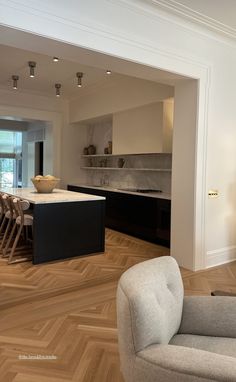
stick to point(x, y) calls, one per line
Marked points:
point(20, 206)
point(7, 202)
point(1, 201)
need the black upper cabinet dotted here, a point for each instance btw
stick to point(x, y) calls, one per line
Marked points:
point(141, 216)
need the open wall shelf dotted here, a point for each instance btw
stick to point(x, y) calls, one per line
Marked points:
point(135, 162)
point(127, 169)
point(121, 155)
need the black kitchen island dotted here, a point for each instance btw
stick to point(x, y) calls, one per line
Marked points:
point(66, 224)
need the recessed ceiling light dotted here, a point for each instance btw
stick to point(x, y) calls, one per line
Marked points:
point(55, 59)
point(108, 71)
point(15, 79)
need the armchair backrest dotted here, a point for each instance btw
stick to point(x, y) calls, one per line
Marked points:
point(149, 306)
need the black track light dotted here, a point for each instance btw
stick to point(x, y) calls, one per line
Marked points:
point(32, 65)
point(79, 76)
point(58, 89)
point(15, 79)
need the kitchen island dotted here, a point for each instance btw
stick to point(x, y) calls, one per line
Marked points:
point(66, 223)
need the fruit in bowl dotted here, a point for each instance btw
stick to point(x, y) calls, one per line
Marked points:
point(45, 184)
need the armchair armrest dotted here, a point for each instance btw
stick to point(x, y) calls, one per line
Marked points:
point(182, 364)
point(209, 316)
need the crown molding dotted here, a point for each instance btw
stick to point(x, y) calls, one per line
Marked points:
point(104, 31)
point(170, 10)
point(174, 8)
point(197, 17)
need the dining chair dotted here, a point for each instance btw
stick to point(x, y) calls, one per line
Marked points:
point(23, 223)
point(8, 220)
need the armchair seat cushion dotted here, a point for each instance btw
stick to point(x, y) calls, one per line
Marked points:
point(171, 363)
point(219, 345)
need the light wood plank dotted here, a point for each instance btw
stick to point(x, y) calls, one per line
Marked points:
point(68, 309)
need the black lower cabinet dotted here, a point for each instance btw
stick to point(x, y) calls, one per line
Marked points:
point(141, 216)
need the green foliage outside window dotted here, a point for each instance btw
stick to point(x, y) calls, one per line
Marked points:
point(10, 147)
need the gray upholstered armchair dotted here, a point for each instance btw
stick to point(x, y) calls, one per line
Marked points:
point(166, 337)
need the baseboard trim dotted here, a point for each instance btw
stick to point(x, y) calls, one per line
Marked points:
point(221, 256)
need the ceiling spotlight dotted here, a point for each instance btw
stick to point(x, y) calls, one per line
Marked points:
point(58, 87)
point(55, 59)
point(32, 65)
point(15, 79)
point(108, 71)
point(79, 76)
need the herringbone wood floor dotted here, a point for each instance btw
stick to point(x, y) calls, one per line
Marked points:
point(68, 309)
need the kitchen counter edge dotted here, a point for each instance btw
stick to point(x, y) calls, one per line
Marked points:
point(57, 196)
point(157, 195)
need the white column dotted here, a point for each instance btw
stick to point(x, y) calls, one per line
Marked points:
point(183, 173)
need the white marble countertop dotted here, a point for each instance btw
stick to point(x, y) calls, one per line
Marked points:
point(57, 196)
point(159, 195)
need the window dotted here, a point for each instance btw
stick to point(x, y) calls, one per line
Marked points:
point(10, 158)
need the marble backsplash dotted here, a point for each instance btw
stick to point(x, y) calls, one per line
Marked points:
point(128, 178)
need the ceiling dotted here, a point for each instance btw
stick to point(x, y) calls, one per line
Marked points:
point(214, 14)
point(14, 61)
point(47, 72)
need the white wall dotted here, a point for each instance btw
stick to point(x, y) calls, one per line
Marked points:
point(48, 149)
point(126, 94)
point(138, 130)
point(168, 124)
point(183, 183)
point(24, 159)
point(25, 100)
point(30, 163)
point(40, 131)
point(74, 138)
point(148, 36)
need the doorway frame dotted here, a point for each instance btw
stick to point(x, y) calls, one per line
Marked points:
point(54, 119)
point(157, 57)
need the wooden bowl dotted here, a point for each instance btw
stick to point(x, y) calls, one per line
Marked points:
point(45, 186)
